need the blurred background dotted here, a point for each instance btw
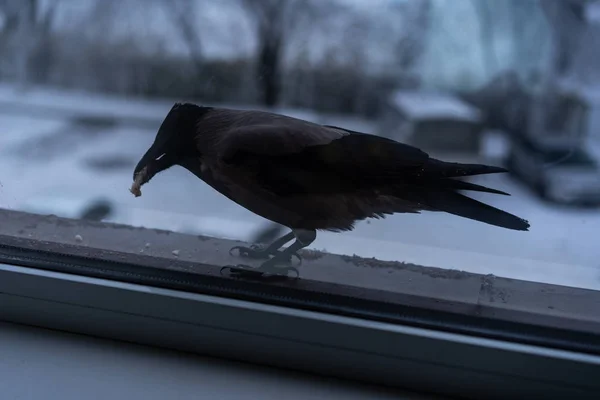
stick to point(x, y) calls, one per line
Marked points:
point(84, 86)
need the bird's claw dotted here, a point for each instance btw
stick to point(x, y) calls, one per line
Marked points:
point(253, 251)
point(258, 253)
point(246, 271)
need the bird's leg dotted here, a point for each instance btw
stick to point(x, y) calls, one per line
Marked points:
point(270, 267)
point(259, 253)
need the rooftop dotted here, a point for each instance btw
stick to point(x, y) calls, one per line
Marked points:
point(425, 105)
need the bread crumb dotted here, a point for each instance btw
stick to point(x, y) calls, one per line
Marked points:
point(175, 253)
point(137, 183)
point(136, 191)
point(78, 238)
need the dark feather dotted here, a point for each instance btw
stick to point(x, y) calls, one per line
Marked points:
point(353, 163)
point(463, 206)
point(453, 170)
point(367, 167)
point(345, 165)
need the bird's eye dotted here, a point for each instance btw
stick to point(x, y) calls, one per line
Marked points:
point(161, 156)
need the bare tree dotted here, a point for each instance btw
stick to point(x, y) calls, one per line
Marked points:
point(567, 19)
point(527, 30)
point(186, 21)
point(410, 44)
point(568, 22)
point(268, 16)
point(26, 24)
point(485, 14)
point(113, 44)
point(275, 21)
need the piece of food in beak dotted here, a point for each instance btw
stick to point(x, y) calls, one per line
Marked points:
point(138, 182)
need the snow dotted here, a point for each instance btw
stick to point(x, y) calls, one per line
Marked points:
point(15, 129)
point(494, 145)
point(592, 12)
point(77, 103)
point(424, 105)
point(560, 248)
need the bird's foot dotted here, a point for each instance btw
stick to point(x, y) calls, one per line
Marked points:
point(257, 252)
point(254, 251)
point(263, 272)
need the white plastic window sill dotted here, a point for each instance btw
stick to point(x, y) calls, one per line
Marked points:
point(347, 347)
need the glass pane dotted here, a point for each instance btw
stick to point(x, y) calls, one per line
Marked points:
point(86, 86)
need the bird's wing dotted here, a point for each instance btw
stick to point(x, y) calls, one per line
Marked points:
point(311, 159)
point(393, 177)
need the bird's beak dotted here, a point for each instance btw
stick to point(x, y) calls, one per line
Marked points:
point(155, 160)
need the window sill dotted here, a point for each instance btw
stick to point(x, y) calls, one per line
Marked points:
point(95, 368)
point(298, 324)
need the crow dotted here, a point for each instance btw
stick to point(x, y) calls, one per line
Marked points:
point(309, 177)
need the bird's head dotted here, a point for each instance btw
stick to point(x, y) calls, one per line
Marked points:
point(174, 142)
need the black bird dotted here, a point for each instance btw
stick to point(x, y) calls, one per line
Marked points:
point(308, 176)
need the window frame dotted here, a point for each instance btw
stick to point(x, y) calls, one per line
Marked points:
point(317, 340)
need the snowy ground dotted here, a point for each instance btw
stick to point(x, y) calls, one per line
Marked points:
point(48, 163)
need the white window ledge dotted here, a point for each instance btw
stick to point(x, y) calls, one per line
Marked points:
point(448, 332)
point(94, 368)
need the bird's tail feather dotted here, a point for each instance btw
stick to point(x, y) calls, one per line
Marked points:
point(454, 184)
point(451, 170)
point(463, 206)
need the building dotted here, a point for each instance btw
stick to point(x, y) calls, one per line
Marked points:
point(439, 123)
